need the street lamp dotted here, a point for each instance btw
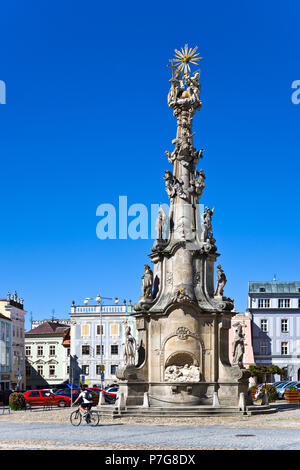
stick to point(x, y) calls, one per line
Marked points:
point(99, 301)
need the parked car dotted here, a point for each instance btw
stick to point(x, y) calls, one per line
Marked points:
point(276, 384)
point(109, 397)
point(66, 392)
point(281, 384)
point(281, 390)
point(112, 389)
point(44, 397)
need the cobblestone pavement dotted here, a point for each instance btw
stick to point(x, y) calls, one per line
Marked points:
point(51, 429)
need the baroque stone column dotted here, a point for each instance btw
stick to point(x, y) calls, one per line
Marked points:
point(182, 318)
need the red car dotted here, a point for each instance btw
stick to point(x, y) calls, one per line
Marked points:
point(45, 398)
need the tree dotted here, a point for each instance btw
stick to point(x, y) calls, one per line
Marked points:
point(260, 372)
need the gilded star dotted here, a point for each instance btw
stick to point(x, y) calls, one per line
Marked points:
point(184, 57)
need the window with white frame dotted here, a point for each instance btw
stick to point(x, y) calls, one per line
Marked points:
point(264, 325)
point(85, 350)
point(263, 303)
point(114, 349)
point(40, 350)
point(28, 351)
point(99, 330)
point(98, 349)
point(284, 325)
point(284, 348)
point(40, 370)
point(85, 370)
point(284, 303)
point(113, 369)
point(51, 350)
point(51, 370)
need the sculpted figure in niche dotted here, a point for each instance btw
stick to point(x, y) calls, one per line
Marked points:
point(129, 348)
point(147, 282)
point(238, 345)
point(160, 223)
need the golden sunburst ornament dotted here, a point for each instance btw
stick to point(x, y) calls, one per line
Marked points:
point(184, 57)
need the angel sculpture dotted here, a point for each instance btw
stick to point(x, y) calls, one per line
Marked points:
point(194, 88)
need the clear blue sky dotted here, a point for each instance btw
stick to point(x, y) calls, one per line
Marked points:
point(87, 120)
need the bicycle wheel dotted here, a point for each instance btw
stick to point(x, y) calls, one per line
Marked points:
point(75, 418)
point(93, 418)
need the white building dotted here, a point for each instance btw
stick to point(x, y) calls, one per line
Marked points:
point(94, 326)
point(47, 349)
point(5, 352)
point(274, 308)
point(13, 308)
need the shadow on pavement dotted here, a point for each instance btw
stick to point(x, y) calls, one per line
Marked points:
point(286, 406)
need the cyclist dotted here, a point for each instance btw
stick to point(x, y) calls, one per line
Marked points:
point(85, 400)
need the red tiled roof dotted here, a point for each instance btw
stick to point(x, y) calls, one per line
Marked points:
point(66, 338)
point(48, 327)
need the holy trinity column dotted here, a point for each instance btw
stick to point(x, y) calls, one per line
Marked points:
point(182, 316)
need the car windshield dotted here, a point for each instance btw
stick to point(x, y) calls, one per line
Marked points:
point(291, 383)
point(282, 384)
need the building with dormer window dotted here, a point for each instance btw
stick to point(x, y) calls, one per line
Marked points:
point(47, 350)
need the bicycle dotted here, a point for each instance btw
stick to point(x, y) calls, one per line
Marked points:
point(91, 417)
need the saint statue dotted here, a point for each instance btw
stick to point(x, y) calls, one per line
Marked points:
point(221, 281)
point(206, 219)
point(147, 282)
point(129, 348)
point(160, 223)
point(238, 346)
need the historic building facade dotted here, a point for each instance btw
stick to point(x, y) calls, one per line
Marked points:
point(5, 352)
point(94, 326)
point(274, 308)
point(13, 308)
point(47, 349)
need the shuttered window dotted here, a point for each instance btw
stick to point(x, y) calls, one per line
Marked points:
point(114, 329)
point(85, 330)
